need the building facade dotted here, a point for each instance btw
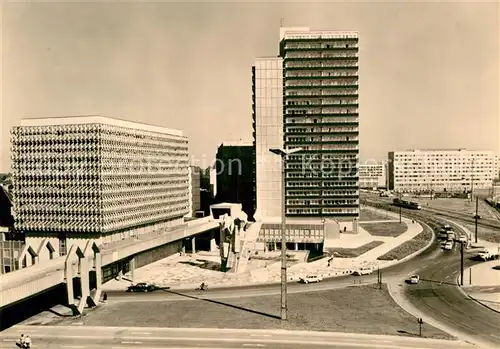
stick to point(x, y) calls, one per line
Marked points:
point(194, 190)
point(440, 170)
point(268, 133)
point(94, 176)
point(372, 176)
point(234, 166)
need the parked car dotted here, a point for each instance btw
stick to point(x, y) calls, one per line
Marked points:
point(462, 238)
point(363, 271)
point(142, 287)
point(448, 246)
point(310, 278)
point(414, 279)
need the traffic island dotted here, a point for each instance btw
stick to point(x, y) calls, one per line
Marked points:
point(355, 309)
point(386, 229)
point(482, 284)
point(340, 252)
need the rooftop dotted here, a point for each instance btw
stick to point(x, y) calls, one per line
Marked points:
point(306, 33)
point(97, 119)
point(442, 150)
point(237, 144)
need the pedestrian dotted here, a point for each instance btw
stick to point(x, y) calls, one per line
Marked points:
point(104, 297)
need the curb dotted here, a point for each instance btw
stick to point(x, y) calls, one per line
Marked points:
point(474, 299)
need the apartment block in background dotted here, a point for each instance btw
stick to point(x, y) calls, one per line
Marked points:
point(234, 166)
point(457, 170)
point(372, 175)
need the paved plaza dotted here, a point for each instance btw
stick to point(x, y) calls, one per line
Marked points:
point(189, 270)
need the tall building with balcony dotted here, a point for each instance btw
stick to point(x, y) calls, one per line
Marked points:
point(92, 177)
point(320, 115)
point(441, 170)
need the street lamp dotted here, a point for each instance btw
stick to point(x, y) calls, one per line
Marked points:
point(283, 154)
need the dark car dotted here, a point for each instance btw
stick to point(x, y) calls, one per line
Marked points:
point(142, 287)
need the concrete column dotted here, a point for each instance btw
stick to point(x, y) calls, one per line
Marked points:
point(213, 245)
point(69, 282)
point(193, 245)
point(98, 277)
point(131, 266)
point(275, 248)
point(84, 283)
point(296, 246)
point(120, 274)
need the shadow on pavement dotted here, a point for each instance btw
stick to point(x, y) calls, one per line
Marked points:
point(225, 304)
point(408, 333)
point(439, 282)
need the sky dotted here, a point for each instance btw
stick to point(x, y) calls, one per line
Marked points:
point(428, 70)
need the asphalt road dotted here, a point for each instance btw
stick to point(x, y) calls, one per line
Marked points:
point(145, 338)
point(437, 295)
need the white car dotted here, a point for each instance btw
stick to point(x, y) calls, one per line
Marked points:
point(448, 246)
point(310, 278)
point(363, 271)
point(463, 238)
point(414, 279)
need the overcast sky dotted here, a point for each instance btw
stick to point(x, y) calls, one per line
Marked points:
point(428, 71)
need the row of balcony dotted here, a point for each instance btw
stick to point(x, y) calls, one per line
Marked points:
point(327, 44)
point(321, 130)
point(315, 202)
point(321, 82)
point(320, 139)
point(317, 93)
point(320, 183)
point(321, 157)
point(342, 61)
point(311, 110)
point(322, 121)
point(314, 212)
point(324, 73)
point(345, 102)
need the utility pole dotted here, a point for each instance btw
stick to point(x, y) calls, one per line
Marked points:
point(399, 207)
point(420, 323)
point(461, 263)
point(475, 220)
point(472, 180)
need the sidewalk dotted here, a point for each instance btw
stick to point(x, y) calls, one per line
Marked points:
point(485, 287)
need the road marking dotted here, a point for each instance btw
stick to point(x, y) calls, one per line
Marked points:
point(259, 335)
point(131, 342)
point(140, 332)
point(77, 323)
point(445, 314)
point(9, 340)
point(72, 346)
point(495, 336)
point(254, 345)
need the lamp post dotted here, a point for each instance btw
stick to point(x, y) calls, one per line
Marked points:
point(283, 154)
